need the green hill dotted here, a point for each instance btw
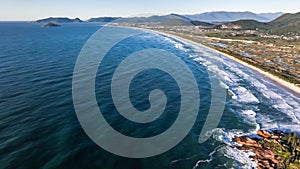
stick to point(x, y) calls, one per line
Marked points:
point(287, 23)
point(103, 19)
point(251, 24)
point(286, 19)
point(204, 24)
point(290, 28)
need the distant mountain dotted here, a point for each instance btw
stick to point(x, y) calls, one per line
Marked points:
point(270, 16)
point(287, 23)
point(58, 20)
point(223, 16)
point(168, 20)
point(103, 19)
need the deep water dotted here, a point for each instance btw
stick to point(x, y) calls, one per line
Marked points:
point(39, 127)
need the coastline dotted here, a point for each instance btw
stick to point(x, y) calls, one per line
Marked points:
point(264, 145)
point(283, 83)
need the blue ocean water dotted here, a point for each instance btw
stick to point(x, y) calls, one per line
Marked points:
point(38, 123)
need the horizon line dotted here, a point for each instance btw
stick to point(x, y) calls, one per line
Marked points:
point(137, 15)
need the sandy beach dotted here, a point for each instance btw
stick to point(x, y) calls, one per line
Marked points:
point(278, 80)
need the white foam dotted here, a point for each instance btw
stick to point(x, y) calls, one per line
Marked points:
point(198, 59)
point(283, 101)
point(266, 122)
point(227, 79)
point(233, 96)
point(248, 116)
point(242, 157)
point(177, 45)
point(222, 84)
point(226, 137)
point(291, 127)
point(243, 95)
point(235, 77)
point(193, 56)
point(206, 160)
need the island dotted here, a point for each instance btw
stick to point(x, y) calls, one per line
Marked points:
point(50, 24)
point(59, 20)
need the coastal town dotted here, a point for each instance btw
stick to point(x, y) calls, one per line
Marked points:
point(275, 54)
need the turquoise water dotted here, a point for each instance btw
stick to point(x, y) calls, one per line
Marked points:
point(38, 123)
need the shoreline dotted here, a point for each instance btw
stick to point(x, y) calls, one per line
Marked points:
point(287, 85)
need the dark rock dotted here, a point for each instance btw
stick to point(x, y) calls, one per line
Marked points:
point(272, 149)
point(51, 25)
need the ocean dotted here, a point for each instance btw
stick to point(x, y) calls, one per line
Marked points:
point(40, 128)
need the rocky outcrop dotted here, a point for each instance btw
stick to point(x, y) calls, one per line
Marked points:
point(276, 149)
point(246, 141)
point(51, 25)
point(266, 134)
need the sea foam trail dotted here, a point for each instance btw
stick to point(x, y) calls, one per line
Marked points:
point(248, 87)
point(206, 160)
point(229, 150)
point(282, 99)
point(176, 43)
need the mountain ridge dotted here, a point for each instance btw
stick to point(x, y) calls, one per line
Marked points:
point(286, 23)
point(210, 17)
point(225, 16)
point(103, 19)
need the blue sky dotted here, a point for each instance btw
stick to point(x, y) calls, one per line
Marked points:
point(84, 9)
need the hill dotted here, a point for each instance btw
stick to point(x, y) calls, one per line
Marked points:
point(251, 24)
point(58, 20)
point(221, 16)
point(286, 19)
point(287, 23)
point(103, 19)
point(166, 20)
point(204, 24)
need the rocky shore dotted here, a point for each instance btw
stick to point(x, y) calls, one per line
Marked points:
point(272, 149)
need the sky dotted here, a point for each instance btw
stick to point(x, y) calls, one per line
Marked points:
point(28, 10)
